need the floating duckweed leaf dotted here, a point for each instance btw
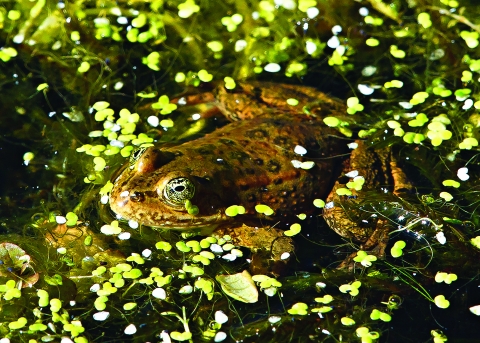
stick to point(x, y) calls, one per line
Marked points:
point(376, 315)
point(37, 327)
point(191, 208)
point(446, 196)
point(319, 203)
point(99, 271)
point(43, 296)
point(55, 305)
point(103, 114)
point(462, 94)
point(331, 121)
point(71, 218)
point(55, 280)
point(364, 258)
point(470, 38)
point(204, 76)
point(354, 105)
point(181, 336)
point(100, 105)
point(292, 102)
point(393, 124)
point(475, 242)
point(132, 274)
point(99, 163)
point(215, 46)
point(233, 210)
point(84, 67)
point(229, 83)
point(419, 120)
point(351, 288)
point(203, 260)
point(232, 22)
point(441, 302)
point(111, 229)
point(373, 20)
point(180, 77)
point(100, 303)
point(10, 290)
point(397, 249)
point(343, 191)
point(239, 286)
point(372, 42)
point(466, 76)
point(42, 86)
point(18, 324)
point(264, 209)
point(347, 321)
point(468, 143)
point(445, 277)
point(293, 230)
point(326, 299)
point(126, 151)
point(412, 137)
point(299, 309)
point(166, 123)
point(451, 183)
point(424, 20)
point(393, 84)
point(396, 52)
point(323, 309)
point(356, 183)
point(302, 216)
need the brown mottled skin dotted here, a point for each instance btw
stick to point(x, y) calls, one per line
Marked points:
point(246, 162)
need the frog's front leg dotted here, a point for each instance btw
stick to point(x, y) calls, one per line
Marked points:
point(267, 244)
point(378, 168)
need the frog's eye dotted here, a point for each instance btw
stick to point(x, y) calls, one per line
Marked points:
point(136, 155)
point(179, 190)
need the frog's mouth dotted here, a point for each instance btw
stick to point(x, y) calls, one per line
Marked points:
point(154, 216)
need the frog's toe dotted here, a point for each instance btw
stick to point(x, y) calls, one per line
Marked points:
point(374, 246)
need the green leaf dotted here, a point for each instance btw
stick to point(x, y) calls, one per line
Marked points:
point(239, 286)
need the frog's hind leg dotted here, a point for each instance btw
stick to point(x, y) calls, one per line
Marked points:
point(378, 167)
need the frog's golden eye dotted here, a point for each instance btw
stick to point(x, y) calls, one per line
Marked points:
point(136, 155)
point(179, 190)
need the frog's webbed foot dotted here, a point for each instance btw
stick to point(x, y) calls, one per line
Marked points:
point(375, 245)
point(268, 246)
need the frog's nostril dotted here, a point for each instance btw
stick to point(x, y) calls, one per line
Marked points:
point(137, 197)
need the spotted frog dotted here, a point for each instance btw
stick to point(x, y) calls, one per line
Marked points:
point(251, 161)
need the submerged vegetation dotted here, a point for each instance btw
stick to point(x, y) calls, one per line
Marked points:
point(86, 84)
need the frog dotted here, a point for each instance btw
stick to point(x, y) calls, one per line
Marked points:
point(273, 152)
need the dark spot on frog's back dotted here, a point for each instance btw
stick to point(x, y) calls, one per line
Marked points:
point(273, 166)
point(238, 155)
point(280, 140)
point(206, 149)
point(257, 134)
point(225, 141)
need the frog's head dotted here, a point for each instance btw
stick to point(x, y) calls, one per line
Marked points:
point(153, 189)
